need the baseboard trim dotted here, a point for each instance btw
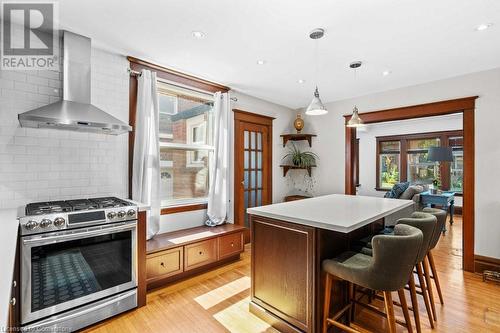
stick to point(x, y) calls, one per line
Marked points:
point(483, 263)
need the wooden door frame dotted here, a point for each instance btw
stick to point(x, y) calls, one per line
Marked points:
point(466, 106)
point(245, 116)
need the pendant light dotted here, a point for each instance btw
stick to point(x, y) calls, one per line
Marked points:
point(355, 120)
point(316, 107)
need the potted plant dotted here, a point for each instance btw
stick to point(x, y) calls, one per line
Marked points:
point(303, 159)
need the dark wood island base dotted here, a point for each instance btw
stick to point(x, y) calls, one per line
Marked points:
point(287, 279)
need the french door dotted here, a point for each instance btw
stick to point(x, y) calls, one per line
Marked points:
point(253, 164)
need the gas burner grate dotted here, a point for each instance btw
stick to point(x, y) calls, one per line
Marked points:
point(39, 208)
point(108, 202)
point(82, 204)
point(49, 207)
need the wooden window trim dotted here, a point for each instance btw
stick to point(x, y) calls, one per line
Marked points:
point(443, 136)
point(183, 208)
point(174, 77)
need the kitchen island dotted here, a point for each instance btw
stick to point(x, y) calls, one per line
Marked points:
point(289, 242)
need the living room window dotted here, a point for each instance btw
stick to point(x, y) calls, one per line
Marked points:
point(186, 140)
point(389, 159)
point(405, 158)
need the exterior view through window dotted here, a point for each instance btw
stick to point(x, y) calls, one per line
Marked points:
point(186, 140)
point(405, 158)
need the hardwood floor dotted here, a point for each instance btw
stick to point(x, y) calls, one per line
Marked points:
point(217, 301)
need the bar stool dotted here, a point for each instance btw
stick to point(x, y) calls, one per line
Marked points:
point(426, 223)
point(441, 216)
point(381, 272)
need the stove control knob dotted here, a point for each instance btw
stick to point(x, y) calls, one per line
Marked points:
point(59, 222)
point(111, 215)
point(131, 212)
point(30, 225)
point(45, 223)
point(121, 214)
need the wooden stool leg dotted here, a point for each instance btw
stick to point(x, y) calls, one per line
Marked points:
point(414, 303)
point(424, 293)
point(435, 275)
point(427, 274)
point(352, 296)
point(404, 307)
point(326, 306)
point(389, 310)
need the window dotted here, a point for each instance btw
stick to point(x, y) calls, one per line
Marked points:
point(457, 166)
point(405, 158)
point(186, 141)
point(420, 169)
point(389, 161)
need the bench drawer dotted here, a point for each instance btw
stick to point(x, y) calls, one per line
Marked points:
point(230, 244)
point(199, 254)
point(165, 263)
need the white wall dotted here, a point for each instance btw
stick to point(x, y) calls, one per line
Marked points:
point(368, 145)
point(48, 164)
point(486, 84)
point(282, 124)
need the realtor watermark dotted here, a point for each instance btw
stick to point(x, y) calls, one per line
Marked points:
point(30, 35)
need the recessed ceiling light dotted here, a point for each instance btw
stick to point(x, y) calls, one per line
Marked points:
point(385, 73)
point(198, 34)
point(483, 26)
point(301, 81)
point(261, 62)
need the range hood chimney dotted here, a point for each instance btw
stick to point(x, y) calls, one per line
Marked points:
point(75, 112)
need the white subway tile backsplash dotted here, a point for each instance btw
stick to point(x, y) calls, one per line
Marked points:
point(49, 91)
point(49, 74)
point(40, 81)
point(22, 86)
point(51, 164)
point(13, 75)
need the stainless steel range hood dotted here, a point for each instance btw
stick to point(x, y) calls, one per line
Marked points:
point(75, 112)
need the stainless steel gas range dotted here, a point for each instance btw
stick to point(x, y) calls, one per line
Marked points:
point(78, 262)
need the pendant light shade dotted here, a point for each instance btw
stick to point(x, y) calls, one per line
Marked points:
point(316, 107)
point(355, 120)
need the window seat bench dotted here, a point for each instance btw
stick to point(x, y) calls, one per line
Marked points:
point(176, 255)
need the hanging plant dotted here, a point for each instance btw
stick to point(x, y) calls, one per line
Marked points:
point(303, 159)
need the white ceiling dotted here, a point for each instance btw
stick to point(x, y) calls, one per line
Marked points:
point(417, 40)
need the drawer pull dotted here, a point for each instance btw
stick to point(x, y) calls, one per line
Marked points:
point(162, 264)
point(232, 244)
point(201, 253)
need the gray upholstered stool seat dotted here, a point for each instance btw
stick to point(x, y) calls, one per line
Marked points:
point(427, 224)
point(382, 272)
point(441, 216)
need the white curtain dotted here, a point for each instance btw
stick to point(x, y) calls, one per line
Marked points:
point(219, 163)
point(146, 163)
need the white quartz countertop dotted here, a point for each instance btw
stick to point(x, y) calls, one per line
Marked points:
point(140, 206)
point(337, 212)
point(8, 241)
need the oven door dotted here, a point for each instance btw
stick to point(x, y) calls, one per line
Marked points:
point(65, 269)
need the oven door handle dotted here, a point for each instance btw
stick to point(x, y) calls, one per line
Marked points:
point(79, 235)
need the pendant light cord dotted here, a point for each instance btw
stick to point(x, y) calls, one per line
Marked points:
point(316, 55)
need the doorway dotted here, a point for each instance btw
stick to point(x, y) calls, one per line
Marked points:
point(252, 164)
point(466, 106)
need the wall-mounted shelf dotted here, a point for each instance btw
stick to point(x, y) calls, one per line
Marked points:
point(294, 167)
point(297, 137)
